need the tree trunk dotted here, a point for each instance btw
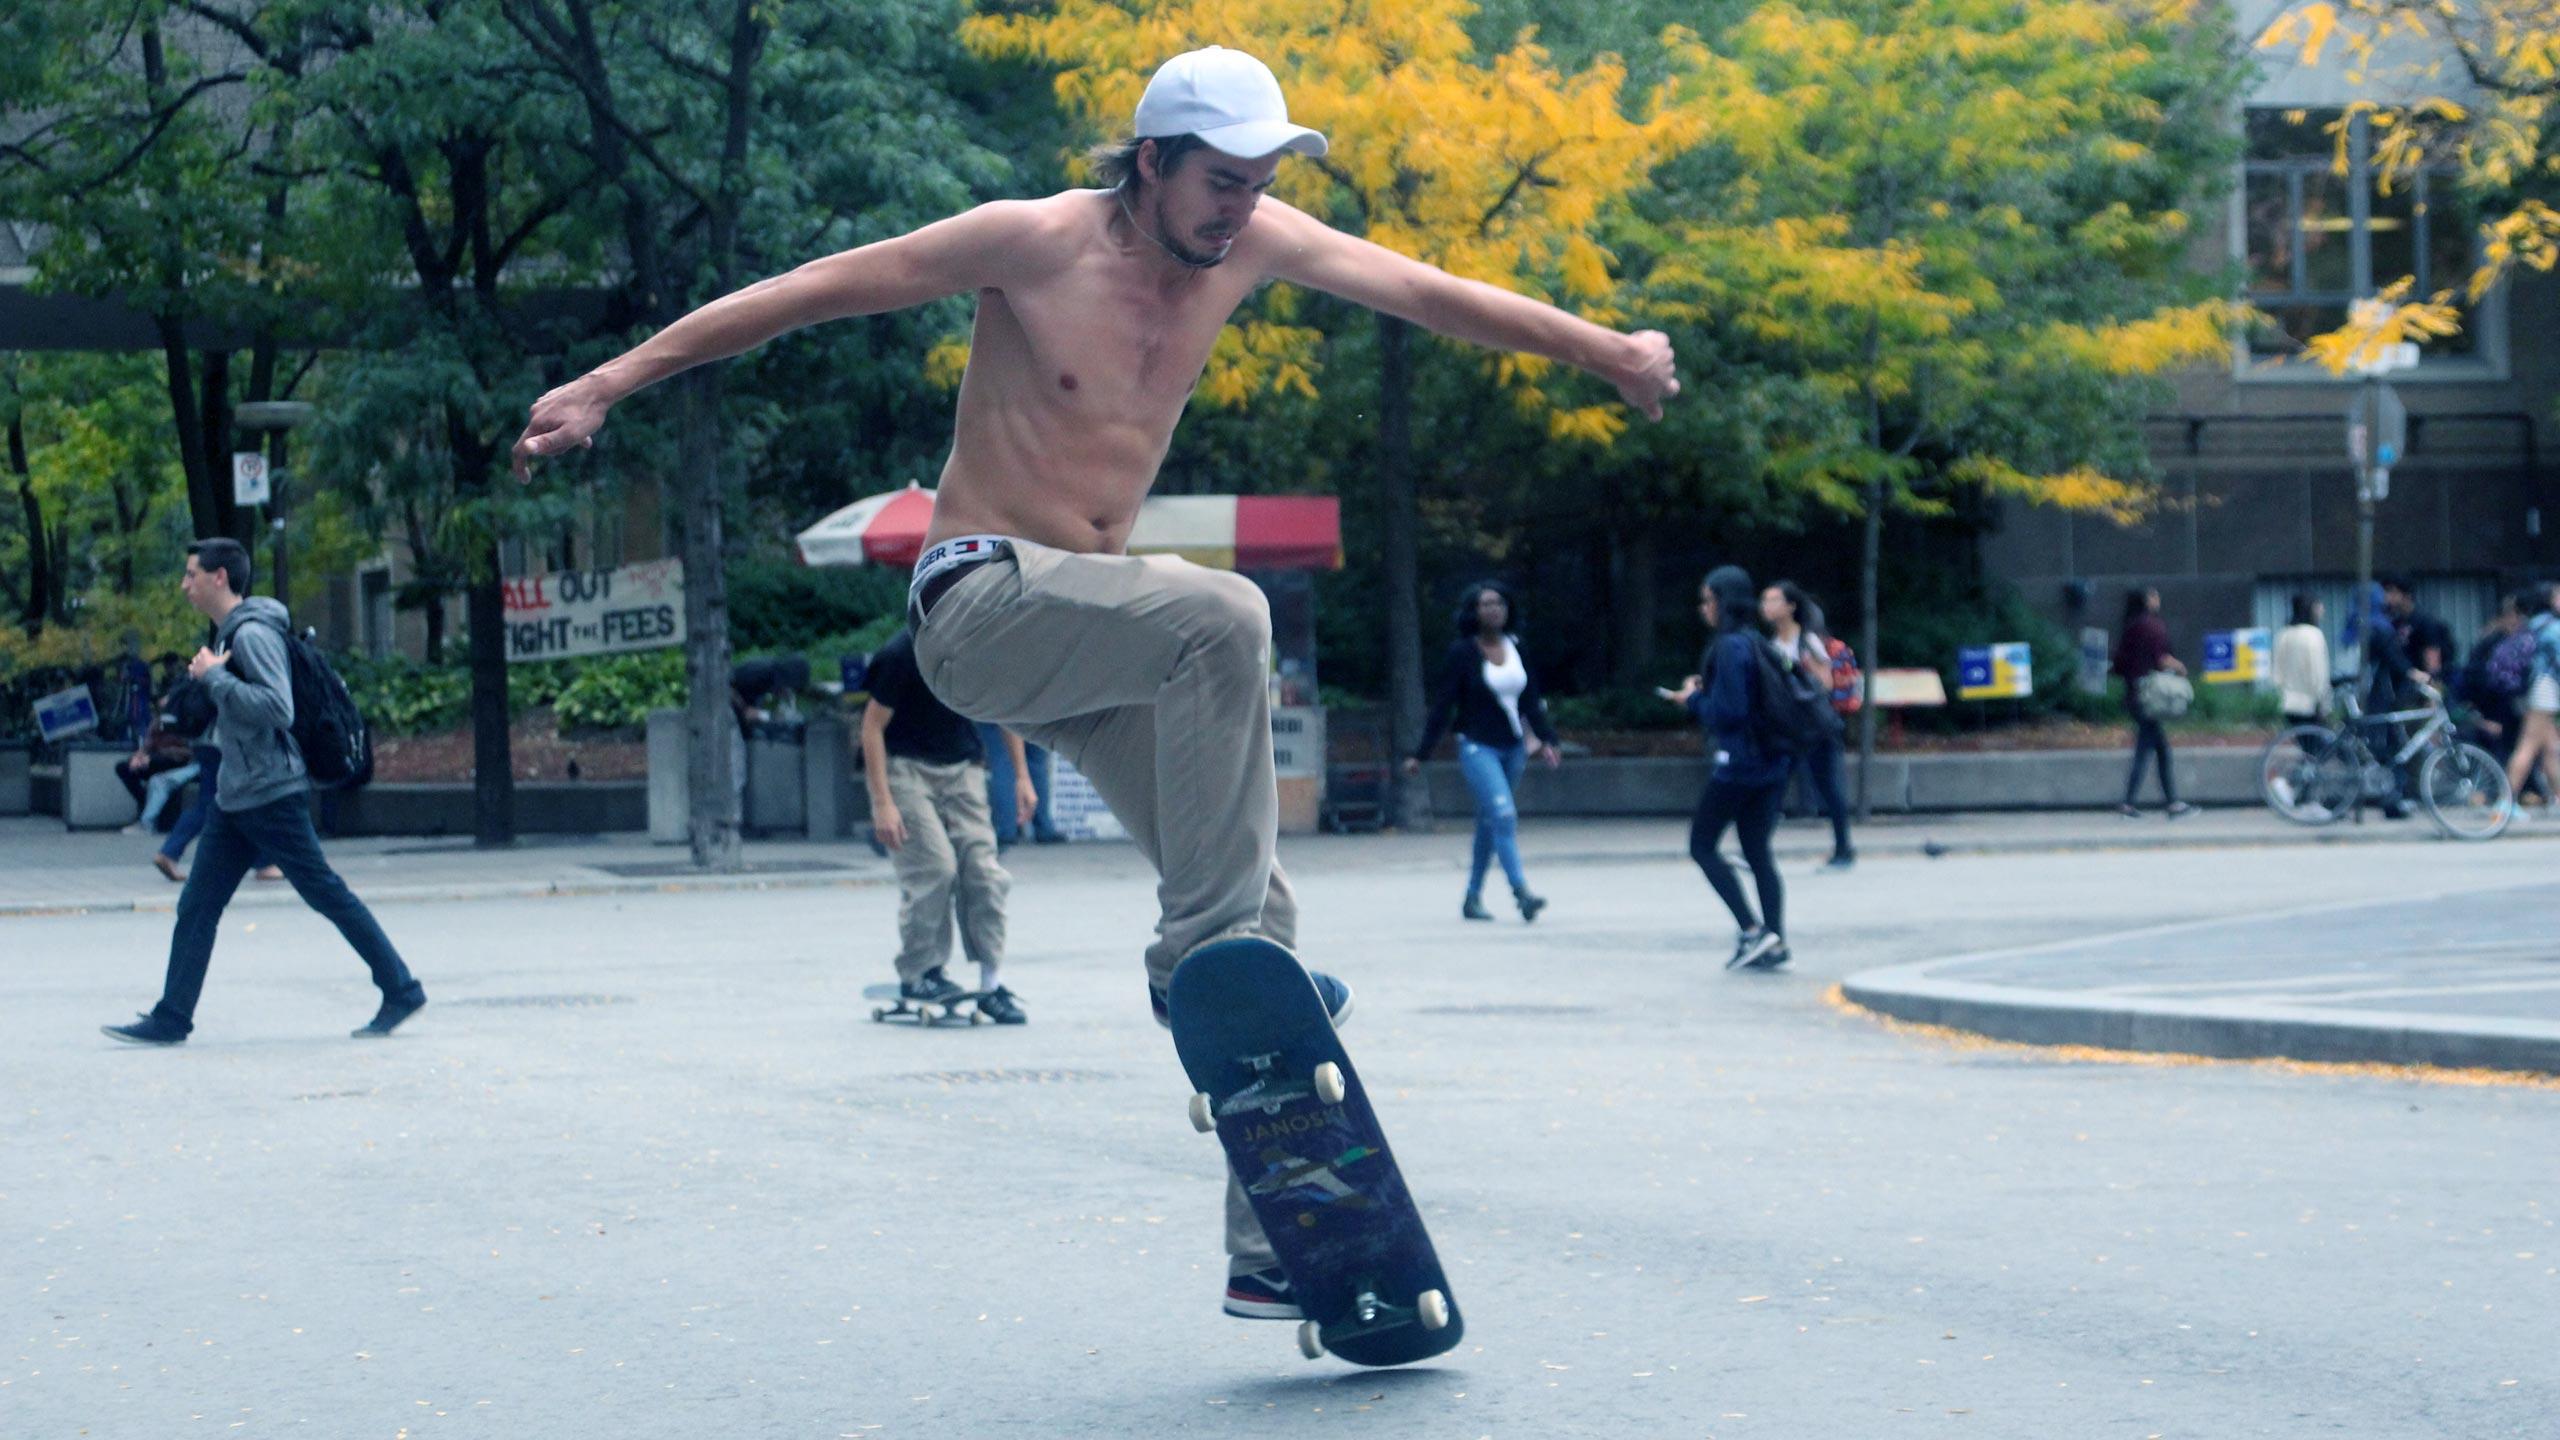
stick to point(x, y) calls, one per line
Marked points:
point(1635, 562)
point(711, 824)
point(493, 781)
point(1401, 508)
point(434, 615)
point(1869, 555)
point(39, 597)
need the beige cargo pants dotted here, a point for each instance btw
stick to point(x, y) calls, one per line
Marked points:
point(947, 867)
point(1151, 675)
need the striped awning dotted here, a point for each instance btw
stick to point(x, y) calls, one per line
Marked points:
point(1225, 532)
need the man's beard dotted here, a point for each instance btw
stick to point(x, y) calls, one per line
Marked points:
point(1197, 260)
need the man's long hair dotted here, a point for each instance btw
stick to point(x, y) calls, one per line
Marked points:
point(1115, 163)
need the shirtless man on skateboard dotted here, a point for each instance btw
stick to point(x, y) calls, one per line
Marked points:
point(1096, 313)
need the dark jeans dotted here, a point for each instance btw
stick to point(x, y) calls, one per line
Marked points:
point(1752, 811)
point(234, 841)
point(1822, 772)
point(2149, 740)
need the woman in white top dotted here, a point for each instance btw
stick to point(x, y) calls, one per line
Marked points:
point(1490, 694)
point(2302, 664)
point(1795, 627)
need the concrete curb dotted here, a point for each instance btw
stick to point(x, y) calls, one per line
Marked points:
point(2235, 1030)
point(464, 890)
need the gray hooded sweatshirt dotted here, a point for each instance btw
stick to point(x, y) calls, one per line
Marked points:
point(253, 707)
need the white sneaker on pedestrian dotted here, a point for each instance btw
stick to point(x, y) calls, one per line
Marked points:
point(136, 828)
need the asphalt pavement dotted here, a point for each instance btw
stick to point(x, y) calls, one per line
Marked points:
point(643, 1167)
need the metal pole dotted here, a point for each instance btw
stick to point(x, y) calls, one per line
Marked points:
point(276, 513)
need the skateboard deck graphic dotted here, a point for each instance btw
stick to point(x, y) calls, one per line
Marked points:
point(925, 1012)
point(1273, 1080)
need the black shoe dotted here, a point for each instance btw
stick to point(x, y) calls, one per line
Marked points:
point(1756, 949)
point(932, 986)
point(1742, 944)
point(1530, 904)
point(1262, 1295)
point(1002, 1008)
point(2129, 810)
point(1474, 909)
point(388, 1018)
point(1846, 859)
point(147, 1030)
point(1776, 956)
point(2180, 810)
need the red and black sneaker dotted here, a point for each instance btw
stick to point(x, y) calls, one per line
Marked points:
point(1262, 1295)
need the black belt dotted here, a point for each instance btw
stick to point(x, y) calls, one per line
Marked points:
point(931, 591)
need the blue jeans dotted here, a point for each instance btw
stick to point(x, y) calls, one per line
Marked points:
point(1000, 788)
point(234, 842)
point(160, 788)
point(1491, 774)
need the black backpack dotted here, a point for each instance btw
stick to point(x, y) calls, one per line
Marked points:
point(337, 749)
point(1792, 714)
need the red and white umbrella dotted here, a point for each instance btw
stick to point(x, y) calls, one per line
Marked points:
point(884, 529)
point(1228, 532)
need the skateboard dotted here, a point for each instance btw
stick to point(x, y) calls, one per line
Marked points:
point(925, 1012)
point(1274, 1083)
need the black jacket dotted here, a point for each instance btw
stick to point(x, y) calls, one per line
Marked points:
point(1463, 695)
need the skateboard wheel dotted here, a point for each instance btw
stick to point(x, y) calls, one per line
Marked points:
point(879, 1014)
point(1329, 1087)
point(977, 1019)
point(1203, 1118)
point(1310, 1340)
point(1433, 1308)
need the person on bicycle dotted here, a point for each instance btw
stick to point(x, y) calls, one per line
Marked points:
point(2389, 683)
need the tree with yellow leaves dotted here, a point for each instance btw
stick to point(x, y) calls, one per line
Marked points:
point(1497, 168)
point(1960, 223)
point(2476, 88)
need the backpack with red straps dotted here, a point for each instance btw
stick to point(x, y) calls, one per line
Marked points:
point(1848, 683)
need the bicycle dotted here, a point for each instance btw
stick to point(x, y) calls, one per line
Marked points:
point(2314, 775)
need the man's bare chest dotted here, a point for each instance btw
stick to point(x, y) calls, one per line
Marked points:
point(1101, 341)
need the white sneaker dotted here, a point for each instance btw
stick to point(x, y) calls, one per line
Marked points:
point(137, 828)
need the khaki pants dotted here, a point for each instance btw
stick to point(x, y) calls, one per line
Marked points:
point(1151, 675)
point(948, 864)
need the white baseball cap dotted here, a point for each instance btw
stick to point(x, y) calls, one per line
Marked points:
point(1227, 98)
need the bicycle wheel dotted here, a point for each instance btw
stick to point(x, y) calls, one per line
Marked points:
point(2466, 793)
point(2309, 775)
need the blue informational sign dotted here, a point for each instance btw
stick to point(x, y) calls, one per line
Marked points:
point(1995, 672)
point(2235, 657)
point(66, 713)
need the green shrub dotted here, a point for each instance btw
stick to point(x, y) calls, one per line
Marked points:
point(401, 697)
point(616, 692)
point(777, 606)
point(1618, 709)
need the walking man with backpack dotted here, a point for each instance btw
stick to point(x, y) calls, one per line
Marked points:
point(262, 805)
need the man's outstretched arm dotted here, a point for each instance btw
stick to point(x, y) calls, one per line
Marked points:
point(965, 253)
point(1306, 251)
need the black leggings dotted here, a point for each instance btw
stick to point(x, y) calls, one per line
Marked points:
point(2149, 740)
point(1752, 811)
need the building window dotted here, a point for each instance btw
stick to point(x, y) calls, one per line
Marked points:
point(2316, 240)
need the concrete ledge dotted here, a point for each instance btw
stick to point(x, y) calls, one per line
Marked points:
point(594, 807)
point(2234, 1030)
point(1906, 784)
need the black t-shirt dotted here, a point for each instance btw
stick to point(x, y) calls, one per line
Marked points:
point(920, 726)
point(2422, 631)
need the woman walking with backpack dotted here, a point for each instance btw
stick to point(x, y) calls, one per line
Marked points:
point(1795, 627)
point(1748, 777)
point(1488, 690)
point(2142, 650)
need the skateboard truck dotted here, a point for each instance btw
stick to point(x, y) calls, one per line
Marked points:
point(1370, 1315)
point(1267, 1093)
